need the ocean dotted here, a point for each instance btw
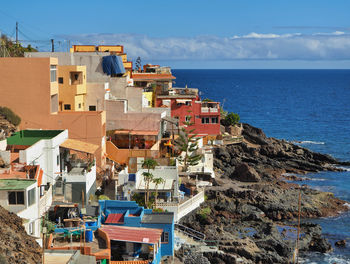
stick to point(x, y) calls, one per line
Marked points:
point(308, 106)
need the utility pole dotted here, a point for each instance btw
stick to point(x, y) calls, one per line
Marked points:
point(16, 33)
point(52, 45)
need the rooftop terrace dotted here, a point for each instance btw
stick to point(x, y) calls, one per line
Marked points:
point(30, 137)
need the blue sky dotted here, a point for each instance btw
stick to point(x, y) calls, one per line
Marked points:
point(194, 34)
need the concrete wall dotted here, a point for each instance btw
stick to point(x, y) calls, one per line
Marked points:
point(95, 95)
point(6, 156)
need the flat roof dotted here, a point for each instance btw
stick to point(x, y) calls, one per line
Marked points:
point(133, 234)
point(158, 218)
point(15, 184)
point(30, 137)
point(79, 146)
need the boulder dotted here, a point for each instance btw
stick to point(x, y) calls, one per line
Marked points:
point(341, 243)
point(244, 173)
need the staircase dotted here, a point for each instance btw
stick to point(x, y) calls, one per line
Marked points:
point(192, 237)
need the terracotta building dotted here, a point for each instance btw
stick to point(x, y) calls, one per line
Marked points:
point(29, 86)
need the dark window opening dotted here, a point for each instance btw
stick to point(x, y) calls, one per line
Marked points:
point(165, 237)
point(60, 80)
point(92, 107)
point(67, 107)
point(16, 197)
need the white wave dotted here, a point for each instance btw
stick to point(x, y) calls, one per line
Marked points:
point(347, 204)
point(343, 168)
point(312, 142)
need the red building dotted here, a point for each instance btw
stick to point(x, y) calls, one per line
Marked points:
point(185, 103)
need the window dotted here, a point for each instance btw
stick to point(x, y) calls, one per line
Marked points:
point(58, 160)
point(31, 197)
point(188, 103)
point(214, 120)
point(92, 107)
point(79, 105)
point(165, 237)
point(53, 73)
point(188, 118)
point(205, 120)
point(60, 80)
point(67, 107)
point(16, 197)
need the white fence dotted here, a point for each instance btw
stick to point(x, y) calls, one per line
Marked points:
point(182, 209)
point(45, 201)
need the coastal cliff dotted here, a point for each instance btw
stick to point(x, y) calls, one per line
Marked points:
point(251, 210)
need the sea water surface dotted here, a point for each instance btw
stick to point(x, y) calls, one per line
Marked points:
point(308, 106)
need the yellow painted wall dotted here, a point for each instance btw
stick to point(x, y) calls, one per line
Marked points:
point(83, 48)
point(111, 48)
point(149, 97)
point(73, 94)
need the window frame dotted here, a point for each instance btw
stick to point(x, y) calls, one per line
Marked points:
point(213, 118)
point(206, 119)
point(53, 73)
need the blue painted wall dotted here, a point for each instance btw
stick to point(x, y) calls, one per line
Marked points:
point(131, 207)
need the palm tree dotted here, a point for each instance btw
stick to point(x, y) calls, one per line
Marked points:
point(148, 176)
point(157, 181)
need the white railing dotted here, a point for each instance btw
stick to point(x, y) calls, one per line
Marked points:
point(209, 110)
point(45, 201)
point(182, 209)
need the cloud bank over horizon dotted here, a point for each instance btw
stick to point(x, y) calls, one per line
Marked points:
point(253, 46)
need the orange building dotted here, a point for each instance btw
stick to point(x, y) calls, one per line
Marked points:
point(29, 87)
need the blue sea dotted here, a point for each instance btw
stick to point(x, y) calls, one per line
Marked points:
point(309, 106)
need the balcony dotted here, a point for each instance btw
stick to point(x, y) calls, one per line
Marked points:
point(210, 108)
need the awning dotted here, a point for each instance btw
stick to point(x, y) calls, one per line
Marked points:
point(183, 101)
point(167, 185)
point(79, 146)
point(133, 234)
point(137, 132)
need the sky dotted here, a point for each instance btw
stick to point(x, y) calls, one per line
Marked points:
point(240, 34)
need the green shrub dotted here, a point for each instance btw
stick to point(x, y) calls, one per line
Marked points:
point(231, 119)
point(103, 197)
point(204, 212)
point(10, 116)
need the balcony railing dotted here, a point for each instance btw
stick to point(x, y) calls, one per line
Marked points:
point(209, 110)
point(45, 201)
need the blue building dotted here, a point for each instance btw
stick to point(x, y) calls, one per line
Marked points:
point(130, 214)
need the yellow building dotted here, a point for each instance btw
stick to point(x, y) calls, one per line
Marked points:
point(72, 88)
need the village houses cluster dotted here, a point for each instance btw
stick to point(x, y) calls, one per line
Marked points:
point(112, 156)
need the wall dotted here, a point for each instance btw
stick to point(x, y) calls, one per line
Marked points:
point(69, 93)
point(6, 156)
point(133, 121)
point(3, 144)
point(44, 153)
point(95, 95)
point(29, 97)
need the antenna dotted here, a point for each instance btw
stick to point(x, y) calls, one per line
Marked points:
point(16, 33)
point(52, 45)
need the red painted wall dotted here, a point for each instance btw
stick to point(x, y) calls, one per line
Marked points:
point(182, 111)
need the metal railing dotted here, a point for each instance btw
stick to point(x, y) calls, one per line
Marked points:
point(190, 232)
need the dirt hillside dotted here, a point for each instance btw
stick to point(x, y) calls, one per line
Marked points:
point(16, 246)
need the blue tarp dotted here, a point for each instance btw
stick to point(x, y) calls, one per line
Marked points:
point(113, 65)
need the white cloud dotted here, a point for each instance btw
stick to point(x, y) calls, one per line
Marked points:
point(296, 46)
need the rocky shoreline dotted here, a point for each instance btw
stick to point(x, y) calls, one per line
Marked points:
point(251, 210)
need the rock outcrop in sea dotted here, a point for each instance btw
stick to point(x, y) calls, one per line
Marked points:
point(251, 210)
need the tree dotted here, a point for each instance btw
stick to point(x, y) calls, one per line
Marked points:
point(138, 64)
point(157, 181)
point(149, 164)
point(187, 145)
point(230, 119)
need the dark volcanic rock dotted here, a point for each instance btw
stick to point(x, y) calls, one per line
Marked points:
point(340, 243)
point(245, 173)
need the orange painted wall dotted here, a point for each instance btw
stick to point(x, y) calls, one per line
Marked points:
point(25, 88)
